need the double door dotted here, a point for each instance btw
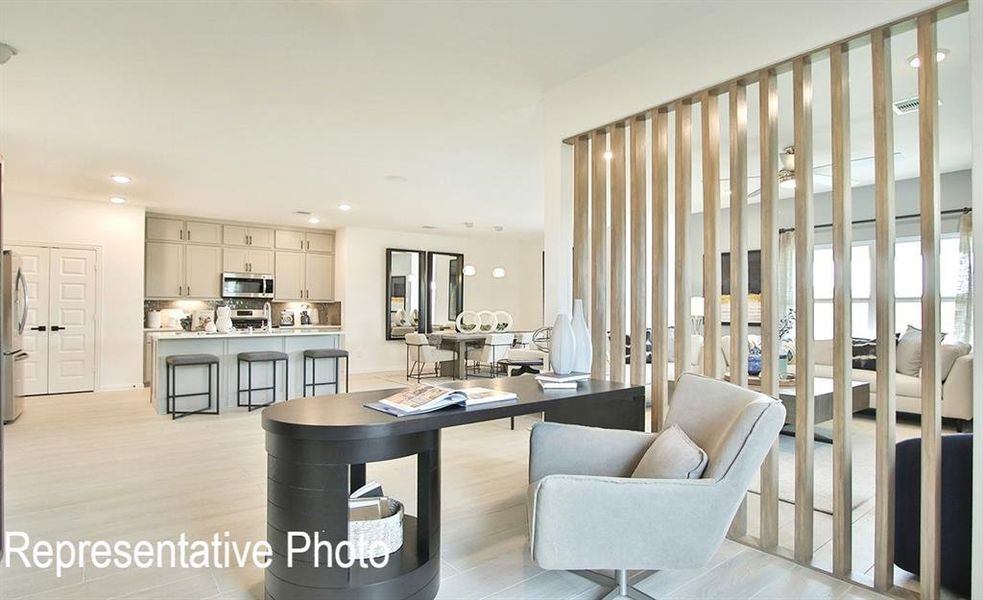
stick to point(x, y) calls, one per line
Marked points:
point(59, 336)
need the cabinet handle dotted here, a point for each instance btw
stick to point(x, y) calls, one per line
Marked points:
point(308, 245)
point(189, 235)
point(249, 240)
point(180, 234)
point(249, 267)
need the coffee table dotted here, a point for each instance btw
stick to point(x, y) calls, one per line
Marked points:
point(520, 366)
point(823, 393)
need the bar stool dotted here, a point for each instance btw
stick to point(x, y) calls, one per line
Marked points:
point(268, 356)
point(170, 393)
point(337, 354)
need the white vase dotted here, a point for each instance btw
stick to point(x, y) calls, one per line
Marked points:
point(563, 346)
point(584, 352)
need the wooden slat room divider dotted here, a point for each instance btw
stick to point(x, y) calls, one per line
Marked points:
point(599, 252)
point(660, 266)
point(710, 120)
point(639, 258)
point(618, 259)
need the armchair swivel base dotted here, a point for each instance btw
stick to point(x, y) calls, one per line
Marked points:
point(622, 584)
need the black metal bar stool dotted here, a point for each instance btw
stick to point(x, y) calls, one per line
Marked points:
point(337, 354)
point(170, 383)
point(268, 356)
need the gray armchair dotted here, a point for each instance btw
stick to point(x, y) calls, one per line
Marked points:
point(586, 512)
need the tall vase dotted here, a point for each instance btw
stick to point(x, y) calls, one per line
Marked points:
point(584, 351)
point(563, 346)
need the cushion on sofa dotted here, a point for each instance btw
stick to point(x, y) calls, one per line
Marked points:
point(672, 455)
point(909, 352)
point(948, 353)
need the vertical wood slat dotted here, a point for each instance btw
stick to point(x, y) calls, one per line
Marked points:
point(581, 222)
point(737, 140)
point(660, 268)
point(711, 250)
point(928, 183)
point(884, 211)
point(599, 253)
point(639, 258)
point(768, 134)
point(684, 207)
point(618, 259)
point(737, 96)
point(842, 311)
point(805, 417)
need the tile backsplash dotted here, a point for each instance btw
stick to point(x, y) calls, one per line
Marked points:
point(328, 313)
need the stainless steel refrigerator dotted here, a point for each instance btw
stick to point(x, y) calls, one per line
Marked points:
point(13, 307)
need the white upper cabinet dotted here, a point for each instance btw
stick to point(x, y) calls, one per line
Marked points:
point(203, 271)
point(165, 270)
point(261, 261)
point(289, 276)
point(200, 232)
point(289, 240)
point(235, 235)
point(235, 260)
point(165, 230)
point(320, 242)
point(319, 275)
point(260, 237)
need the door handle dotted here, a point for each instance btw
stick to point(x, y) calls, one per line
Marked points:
point(40, 328)
point(57, 328)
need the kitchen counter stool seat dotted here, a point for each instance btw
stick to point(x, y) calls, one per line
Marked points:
point(320, 353)
point(190, 360)
point(261, 356)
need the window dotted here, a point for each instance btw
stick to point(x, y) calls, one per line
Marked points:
point(907, 286)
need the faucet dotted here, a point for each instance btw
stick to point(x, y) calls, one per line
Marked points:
point(267, 317)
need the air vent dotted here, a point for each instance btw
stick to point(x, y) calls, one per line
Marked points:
point(302, 212)
point(907, 106)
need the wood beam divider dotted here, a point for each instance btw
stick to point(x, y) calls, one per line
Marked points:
point(639, 253)
point(618, 252)
point(768, 134)
point(842, 311)
point(928, 184)
point(599, 253)
point(683, 210)
point(805, 416)
point(711, 249)
point(581, 221)
point(660, 268)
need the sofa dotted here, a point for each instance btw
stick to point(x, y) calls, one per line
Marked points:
point(957, 382)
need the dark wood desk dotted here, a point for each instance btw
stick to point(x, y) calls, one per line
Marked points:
point(317, 450)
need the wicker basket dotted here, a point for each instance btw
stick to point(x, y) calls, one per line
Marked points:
point(364, 535)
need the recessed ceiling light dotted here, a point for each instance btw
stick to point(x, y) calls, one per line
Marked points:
point(940, 54)
point(121, 178)
point(469, 270)
point(345, 207)
point(313, 220)
point(608, 155)
point(117, 199)
point(498, 273)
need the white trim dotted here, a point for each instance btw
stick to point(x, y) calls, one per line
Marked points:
point(976, 111)
point(99, 317)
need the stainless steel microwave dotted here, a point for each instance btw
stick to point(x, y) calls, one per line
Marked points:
point(247, 285)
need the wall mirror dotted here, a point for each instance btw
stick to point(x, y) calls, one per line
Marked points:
point(446, 289)
point(404, 292)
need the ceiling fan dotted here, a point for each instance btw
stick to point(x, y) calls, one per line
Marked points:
point(786, 171)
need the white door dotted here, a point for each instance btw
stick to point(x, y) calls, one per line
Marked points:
point(34, 266)
point(71, 320)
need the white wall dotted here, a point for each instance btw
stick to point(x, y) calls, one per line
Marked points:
point(119, 233)
point(361, 278)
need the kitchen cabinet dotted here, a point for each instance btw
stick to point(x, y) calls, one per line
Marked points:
point(203, 271)
point(201, 232)
point(286, 239)
point(164, 270)
point(289, 276)
point(319, 277)
point(238, 235)
point(242, 260)
point(320, 242)
point(165, 230)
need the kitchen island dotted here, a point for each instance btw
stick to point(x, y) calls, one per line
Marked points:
point(226, 346)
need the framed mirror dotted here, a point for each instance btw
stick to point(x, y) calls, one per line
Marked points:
point(445, 272)
point(404, 292)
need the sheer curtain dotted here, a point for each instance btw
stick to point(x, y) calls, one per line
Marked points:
point(964, 291)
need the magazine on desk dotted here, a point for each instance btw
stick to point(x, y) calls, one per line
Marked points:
point(428, 398)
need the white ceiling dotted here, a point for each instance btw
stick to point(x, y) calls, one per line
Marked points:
point(255, 110)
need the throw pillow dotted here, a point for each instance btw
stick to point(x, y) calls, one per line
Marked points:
point(865, 354)
point(948, 354)
point(909, 352)
point(672, 455)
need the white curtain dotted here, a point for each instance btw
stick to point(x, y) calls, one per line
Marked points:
point(964, 292)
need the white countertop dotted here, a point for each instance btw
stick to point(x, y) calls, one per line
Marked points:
point(285, 332)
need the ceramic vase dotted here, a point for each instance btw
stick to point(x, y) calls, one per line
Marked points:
point(563, 346)
point(584, 352)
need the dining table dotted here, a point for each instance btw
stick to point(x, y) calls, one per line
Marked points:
point(459, 342)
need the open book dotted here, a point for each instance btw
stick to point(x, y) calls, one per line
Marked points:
point(427, 398)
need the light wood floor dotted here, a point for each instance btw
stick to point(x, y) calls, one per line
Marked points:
point(104, 466)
